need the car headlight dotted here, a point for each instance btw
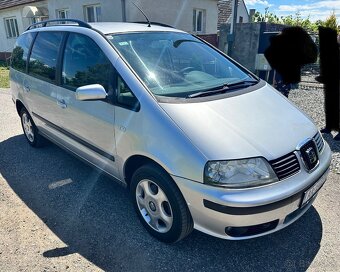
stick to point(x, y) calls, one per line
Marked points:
point(239, 173)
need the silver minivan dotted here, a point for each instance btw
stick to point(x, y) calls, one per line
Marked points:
point(199, 140)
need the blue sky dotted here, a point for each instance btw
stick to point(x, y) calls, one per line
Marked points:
point(315, 8)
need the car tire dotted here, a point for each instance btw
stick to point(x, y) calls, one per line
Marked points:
point(30, 130)
point(160, 205)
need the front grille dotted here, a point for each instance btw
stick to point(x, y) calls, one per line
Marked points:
point(319, 141)
point(285, 166)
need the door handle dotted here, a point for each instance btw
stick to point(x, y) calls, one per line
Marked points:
point(26, 88)
point(61, 103)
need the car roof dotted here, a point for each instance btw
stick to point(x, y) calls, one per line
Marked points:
point(121, 27)
point(102, 27)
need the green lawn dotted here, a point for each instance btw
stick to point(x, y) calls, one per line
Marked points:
point(4, 76)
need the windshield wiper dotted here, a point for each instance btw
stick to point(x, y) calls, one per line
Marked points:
point(223, 88)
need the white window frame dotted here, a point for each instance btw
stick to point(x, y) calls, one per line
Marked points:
point(196, 13)
point(11, 26)
point(95, 7)
point(60, 11)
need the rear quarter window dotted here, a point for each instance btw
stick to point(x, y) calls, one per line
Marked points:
point(21, 50)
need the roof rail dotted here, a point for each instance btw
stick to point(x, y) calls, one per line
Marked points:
point(154, 23)
point(47, 22)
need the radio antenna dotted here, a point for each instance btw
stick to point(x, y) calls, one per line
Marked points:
point(149, 24)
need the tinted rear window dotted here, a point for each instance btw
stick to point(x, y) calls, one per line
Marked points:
point(20, 51)
point(43, 60)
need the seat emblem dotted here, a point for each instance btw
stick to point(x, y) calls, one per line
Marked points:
point(311, 155)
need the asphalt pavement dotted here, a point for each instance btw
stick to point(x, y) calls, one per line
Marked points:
point(58, 214)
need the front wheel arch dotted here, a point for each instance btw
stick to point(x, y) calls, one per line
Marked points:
point(182, 222)
point(135, 162)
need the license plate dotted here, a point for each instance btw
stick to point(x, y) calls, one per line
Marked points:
point(314, 189)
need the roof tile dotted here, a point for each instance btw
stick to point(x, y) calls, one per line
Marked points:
point(12, 3)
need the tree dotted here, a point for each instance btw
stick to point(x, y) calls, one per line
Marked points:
point(268, 17)
point(331, 22)
point(297, 20)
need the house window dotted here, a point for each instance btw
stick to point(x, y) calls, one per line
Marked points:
point(240, 19)
point(93, 13)
point(199, 20)
point(11, 27)
point(62, 13)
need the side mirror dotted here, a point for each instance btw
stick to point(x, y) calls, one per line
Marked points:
point(91, 92)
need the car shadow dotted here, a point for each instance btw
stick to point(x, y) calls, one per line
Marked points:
point(95, 218)
point(333, 144)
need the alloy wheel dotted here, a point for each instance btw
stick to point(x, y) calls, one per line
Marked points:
point(154, 206)
point(28, 127)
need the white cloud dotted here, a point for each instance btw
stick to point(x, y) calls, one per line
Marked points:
point(317, 5)
point(289, 7)
point(257, 2)
point(317, 11)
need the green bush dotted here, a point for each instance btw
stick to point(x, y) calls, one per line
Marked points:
point(4, 75)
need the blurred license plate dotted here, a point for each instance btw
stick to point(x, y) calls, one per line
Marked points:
point(314, 189)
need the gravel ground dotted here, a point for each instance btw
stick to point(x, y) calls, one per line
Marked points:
point(312, 103)
point(58, 214)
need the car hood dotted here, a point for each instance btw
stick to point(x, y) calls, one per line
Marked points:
point(257, 123)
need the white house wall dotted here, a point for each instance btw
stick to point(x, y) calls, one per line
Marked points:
point(178, 13)
point(242, 11)
point(111, 10)
point(7, 44)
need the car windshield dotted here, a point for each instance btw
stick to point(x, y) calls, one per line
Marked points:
point(176, 64)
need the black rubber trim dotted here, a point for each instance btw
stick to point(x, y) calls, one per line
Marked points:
point(257, 209)
point(44, 23)
point(75, 138)
point(251, 230)
point(250, 210)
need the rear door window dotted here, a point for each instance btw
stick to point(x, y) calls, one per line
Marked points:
point(44, 56)
point(21, 50)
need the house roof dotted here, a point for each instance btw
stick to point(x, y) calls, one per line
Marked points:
point(13, 3)
point(225, 10)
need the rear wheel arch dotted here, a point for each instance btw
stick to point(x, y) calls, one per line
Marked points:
point(19, 106)
point(30, 130)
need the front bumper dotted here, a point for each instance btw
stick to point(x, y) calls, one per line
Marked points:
point(247, 213)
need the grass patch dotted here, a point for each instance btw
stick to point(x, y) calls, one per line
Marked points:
point(4, 75)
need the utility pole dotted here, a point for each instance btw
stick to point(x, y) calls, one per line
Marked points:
point(123, 10)
point(231, 36)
